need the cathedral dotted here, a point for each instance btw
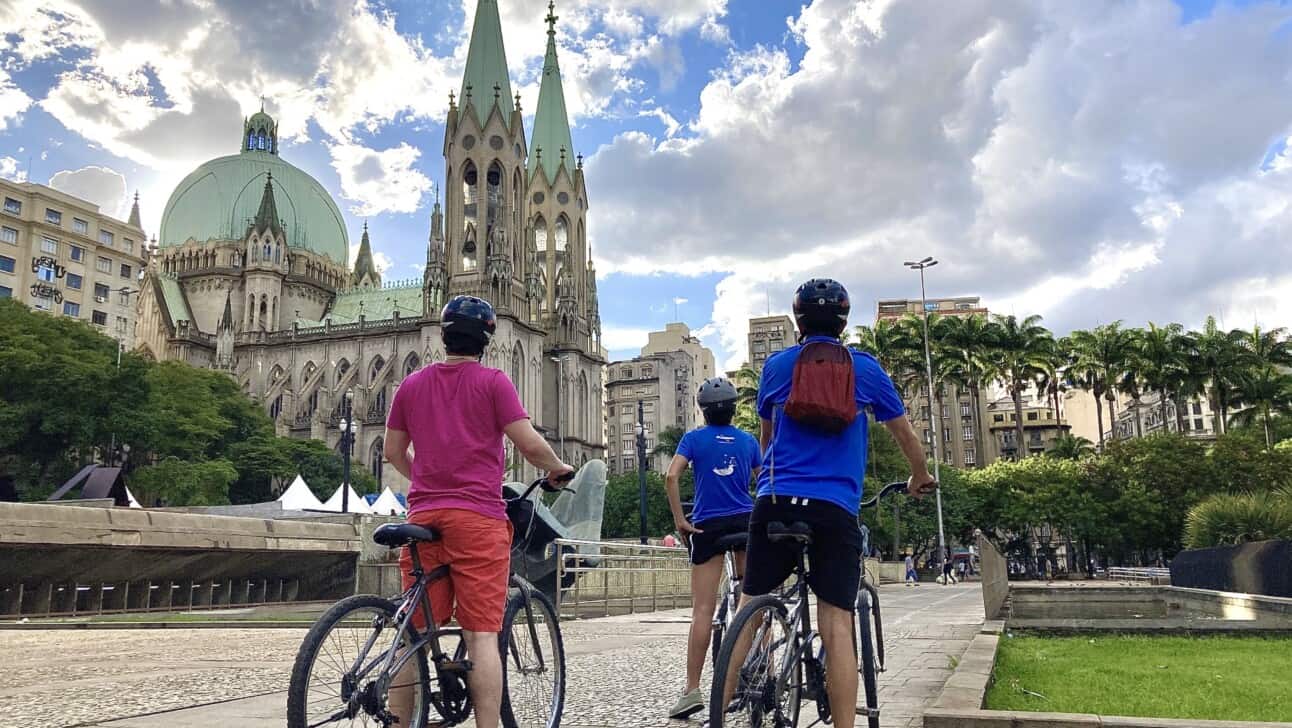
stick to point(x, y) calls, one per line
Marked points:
point(250, 275)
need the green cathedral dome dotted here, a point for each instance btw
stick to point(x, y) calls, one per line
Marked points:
point(219, 199)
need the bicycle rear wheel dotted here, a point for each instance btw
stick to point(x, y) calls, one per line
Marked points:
point(336, 680)
point(767, 681)
point(533, 662)
point(719, 627)
point(866, 644)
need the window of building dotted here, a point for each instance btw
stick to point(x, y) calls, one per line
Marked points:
point(49, 245)
point(928, 435)
point(100, 318)
point(53, 217)
point(7, 264)
point(105, 237)
point(43, 303)
point(45, 273)
point(123, 297)
point(1197, 424)
point(9, 235)
point(1031, 415)
point(963, 306)
point(74, 281)
point(648, 371)
point(968, 432)
point(80, 226)
point(77, 252)
point(71, 309)
point(12, 206)
point(946, 434)
point(970, 457)
point(626, 373)
point(125, 271)
point(611, 410)
point(129, 245)
point(965, 411)
point(943, 411)
point(122, 323)
point(998, 418)
point(629, 447)
point(648, 406)
point(1197, 408)
point(101, 292)
point(628, 464)
point(103, 265)
point(6, 292)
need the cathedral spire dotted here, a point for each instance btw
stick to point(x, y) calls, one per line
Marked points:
point(134, 213)
point(365, 271)
point(267, 215)
point(551, 124)
point(485, 82)
point(226, 320)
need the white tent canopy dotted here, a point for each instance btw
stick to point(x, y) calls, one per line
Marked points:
point(131, 498)
point(356, 505)
point(388, 505)
point(299, 497)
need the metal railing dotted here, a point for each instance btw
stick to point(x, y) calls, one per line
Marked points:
point(604, 578)
point(1138, 573)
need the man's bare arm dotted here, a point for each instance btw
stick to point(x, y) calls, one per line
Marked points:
point(397, 452)
point(673, 487)
point(921, 483)
point(535, 449)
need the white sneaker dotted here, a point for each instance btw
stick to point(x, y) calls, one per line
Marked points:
point(687, 705)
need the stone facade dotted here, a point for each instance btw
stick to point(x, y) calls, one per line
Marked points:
point(297, 329)
point(665, 386)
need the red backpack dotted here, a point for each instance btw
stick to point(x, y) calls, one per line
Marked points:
point(823, 391)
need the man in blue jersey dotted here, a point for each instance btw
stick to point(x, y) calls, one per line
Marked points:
point(814, 476)
point(725, 460)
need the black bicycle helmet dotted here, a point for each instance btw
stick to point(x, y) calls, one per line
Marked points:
point(469, 316)
point(821, 307)
point(716, 392)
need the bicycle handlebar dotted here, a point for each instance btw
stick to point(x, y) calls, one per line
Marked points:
point(546, 484)
point(887, 489)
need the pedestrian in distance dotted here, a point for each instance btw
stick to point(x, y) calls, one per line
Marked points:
point(725, 460)
point(912, 577)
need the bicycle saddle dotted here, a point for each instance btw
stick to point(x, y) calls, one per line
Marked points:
point(798, 532)
point(394, 535)
point(732, 542)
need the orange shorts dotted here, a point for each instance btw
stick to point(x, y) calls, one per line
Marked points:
point(477, 550)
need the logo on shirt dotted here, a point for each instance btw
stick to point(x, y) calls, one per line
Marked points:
point(727, 468)
point(725, 439)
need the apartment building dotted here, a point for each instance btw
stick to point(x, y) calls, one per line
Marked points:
point(664, 385)
point(677, 337)
point(60, 255)
point(768, 335)
point(894, 308)
point(1142, 416)
point(1042, 425)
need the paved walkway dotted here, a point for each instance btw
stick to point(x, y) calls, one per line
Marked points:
point(624, 671)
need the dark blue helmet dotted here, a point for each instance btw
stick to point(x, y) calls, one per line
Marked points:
point(716, 392)
point(821, 306)
point(469, 316)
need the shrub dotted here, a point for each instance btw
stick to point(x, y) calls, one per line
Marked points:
point(1234, 518)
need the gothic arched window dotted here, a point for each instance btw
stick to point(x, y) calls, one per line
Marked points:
point(260, 140)
point(377, 454)
point(518, 370)
point(470, 194)
point(469, 256)
point(562, 234)
point(251, 139)
point(411, 364)
point(493, 193)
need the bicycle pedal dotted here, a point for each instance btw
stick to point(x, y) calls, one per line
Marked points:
point(868, 712)
point(457, 667)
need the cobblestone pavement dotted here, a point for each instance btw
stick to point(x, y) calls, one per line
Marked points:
point(623, 671)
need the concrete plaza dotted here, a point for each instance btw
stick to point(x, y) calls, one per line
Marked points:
point(623, 671)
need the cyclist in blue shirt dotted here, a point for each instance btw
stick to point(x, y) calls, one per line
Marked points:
point(815, 477)
point(725, 459)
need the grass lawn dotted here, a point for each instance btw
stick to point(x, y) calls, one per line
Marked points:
point(1219, 678)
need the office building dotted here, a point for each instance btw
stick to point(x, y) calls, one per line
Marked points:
point(768, 335)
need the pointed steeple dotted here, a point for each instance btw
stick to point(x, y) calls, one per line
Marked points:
point(226, 320)
point(364, 269)
point(134, 214)
point(485, 82)
point(267, 215)
point(551, 124)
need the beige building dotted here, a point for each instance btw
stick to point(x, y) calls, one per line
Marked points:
point(664, 385)
point(59, 254)
point(677, 337)
point(1042, 425)
point(768, 335)
point(253, 276)
point(1143, 416)
point(958, 421)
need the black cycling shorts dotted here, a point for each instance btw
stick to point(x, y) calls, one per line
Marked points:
point(703, 546)
point(834, 558)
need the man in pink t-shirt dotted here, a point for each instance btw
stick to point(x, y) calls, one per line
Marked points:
point(455, 415)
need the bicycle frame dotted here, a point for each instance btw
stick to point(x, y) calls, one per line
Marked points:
point(732, 595)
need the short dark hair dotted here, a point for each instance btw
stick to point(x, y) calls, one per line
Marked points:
point(719, 415)
point(459, 344)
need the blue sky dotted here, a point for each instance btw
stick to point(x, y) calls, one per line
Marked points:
point(1075, 160)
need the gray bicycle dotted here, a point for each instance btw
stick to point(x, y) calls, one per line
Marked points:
point(364, 647)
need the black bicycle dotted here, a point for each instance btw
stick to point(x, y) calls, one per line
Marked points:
point(784, 664)
point(365, 650)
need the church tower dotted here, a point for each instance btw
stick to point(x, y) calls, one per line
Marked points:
point(365, 271)
point(266, 259)
point(484, 152)
point(435, 276)
point(557, 206)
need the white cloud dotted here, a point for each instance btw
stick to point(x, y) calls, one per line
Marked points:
point(9, 169)
point(617, 338)
point(13, 102)
point(1086, 159)
point(103, 186)
point(380, 181)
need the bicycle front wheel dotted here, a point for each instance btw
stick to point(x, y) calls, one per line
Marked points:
point(866, 643)
point(533, 662)
point(338, 677)
point(758, 680)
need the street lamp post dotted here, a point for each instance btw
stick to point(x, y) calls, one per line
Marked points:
point(560, 431)
point(641, 467)
point(121, 345)
point(934, 420)
point(347, 424)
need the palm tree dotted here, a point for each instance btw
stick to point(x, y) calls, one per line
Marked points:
point(668, 440)
point(1266, 392)
point(1023, 348)
point(1159, 358)
point(1070, 447)
point(746, 381)
point(890, 342)
point(1102, 354)
point(968, 340)
point(1219, 360)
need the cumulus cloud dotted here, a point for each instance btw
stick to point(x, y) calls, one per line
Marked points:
point(9, 169)
point(13, 102)
point(103, 186)
point(380, 180)
point(1057, 157)
point(617, 338)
